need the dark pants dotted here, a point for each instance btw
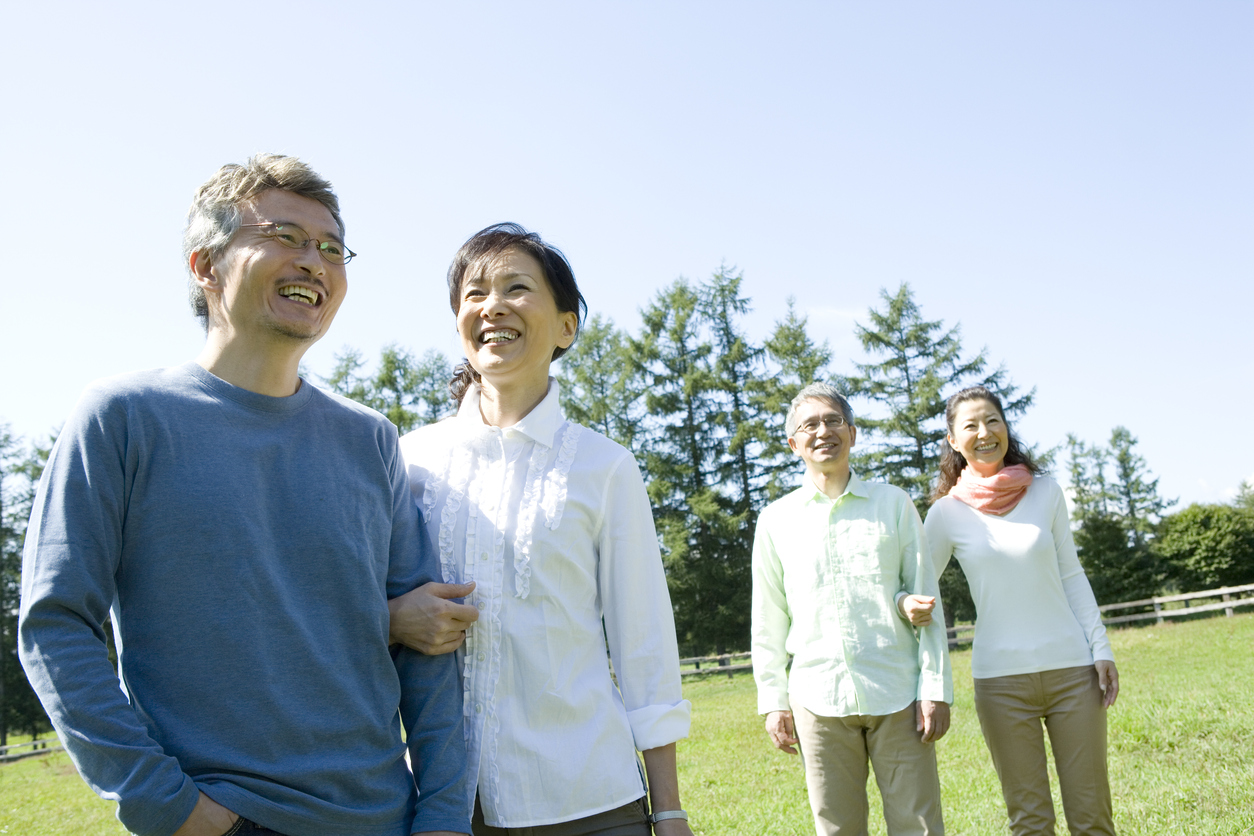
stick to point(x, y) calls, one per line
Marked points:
point(629, 820)
point(244, 827)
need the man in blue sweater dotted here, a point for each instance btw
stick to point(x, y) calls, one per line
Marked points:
point(243, 531)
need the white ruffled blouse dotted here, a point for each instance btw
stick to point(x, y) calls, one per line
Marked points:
point(552, 522)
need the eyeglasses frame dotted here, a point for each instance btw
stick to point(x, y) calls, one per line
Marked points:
point(349, 254)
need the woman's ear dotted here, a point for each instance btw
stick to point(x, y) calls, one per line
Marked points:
point(570, 327)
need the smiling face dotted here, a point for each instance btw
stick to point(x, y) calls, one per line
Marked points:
point(826, 449)
point(509, 323)
point(259, 289)
point(980, 435)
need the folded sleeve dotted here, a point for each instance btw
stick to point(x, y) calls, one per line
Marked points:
point(639, 622)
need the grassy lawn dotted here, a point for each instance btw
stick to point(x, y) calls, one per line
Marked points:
point(1181, 746)
point(1181, 753)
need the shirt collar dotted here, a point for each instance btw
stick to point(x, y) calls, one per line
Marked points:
point(856, 487)
point(540, 424)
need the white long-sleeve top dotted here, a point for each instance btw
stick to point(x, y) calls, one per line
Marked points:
point(552, 522)
point(1035, 610)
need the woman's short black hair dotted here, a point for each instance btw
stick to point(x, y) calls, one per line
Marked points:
point(478, 252)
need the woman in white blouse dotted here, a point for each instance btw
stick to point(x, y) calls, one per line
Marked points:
point(545, 527)
point(1040, 651)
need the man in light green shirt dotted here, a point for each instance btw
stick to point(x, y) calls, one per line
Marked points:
point(829, 561)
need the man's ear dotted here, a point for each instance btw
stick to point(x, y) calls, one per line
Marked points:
point(853, 436)
point(203, 271)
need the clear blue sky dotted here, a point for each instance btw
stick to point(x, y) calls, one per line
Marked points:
point(1070, 181)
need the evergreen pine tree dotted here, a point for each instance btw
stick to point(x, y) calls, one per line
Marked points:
point(601, 387)
point(797, 362)
point(1112, 517)
point(408, 392)
point(923, 364)
point(20, 469)
point(709, 585)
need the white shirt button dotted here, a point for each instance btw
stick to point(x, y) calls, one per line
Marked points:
point(482, 606)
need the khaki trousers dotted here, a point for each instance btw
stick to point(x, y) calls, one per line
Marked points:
point(1069, 700)
point(836, 750)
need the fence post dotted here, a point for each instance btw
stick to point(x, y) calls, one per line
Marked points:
point(1158, 610)
point(1228, 610)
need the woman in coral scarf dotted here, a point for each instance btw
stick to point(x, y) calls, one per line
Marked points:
point(1040, 650)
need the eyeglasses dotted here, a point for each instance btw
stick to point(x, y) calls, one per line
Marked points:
point(832, 422)
point(295, 238)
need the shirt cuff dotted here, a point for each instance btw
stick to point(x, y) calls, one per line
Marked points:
point(657, 725)
point(769, 701)
point(935, 687)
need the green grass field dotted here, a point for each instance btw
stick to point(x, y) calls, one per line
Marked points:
point(1181, 752)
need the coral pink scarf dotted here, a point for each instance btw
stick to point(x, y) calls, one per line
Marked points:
point(997, 494)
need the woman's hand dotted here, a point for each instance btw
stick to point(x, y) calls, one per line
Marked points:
point(917, 609)
point(1108, 681)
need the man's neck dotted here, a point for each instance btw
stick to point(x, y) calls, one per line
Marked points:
point(831, 482)
point(272, 369)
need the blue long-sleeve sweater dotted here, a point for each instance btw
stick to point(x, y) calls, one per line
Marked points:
point(246, 546)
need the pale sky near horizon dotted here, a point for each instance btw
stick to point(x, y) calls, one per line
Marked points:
point(1071, 182)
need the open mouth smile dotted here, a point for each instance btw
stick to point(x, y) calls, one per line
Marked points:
point(503, 335)
point(301, 294)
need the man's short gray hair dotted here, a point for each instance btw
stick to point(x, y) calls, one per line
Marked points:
point(817, 392)
point(215, 213)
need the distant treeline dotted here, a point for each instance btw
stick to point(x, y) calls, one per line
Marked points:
point(701, 406)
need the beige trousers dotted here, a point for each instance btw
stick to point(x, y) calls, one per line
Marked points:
point(1069, 700)
point(836, 750)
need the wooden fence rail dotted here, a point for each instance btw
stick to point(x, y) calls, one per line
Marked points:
point(35, 747)
point(1230, 597)
point(1226, 598)
point(728, 663)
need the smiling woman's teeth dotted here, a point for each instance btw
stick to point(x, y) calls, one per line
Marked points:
point(499, 337)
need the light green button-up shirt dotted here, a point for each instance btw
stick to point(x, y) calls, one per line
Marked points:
point(825, 576)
